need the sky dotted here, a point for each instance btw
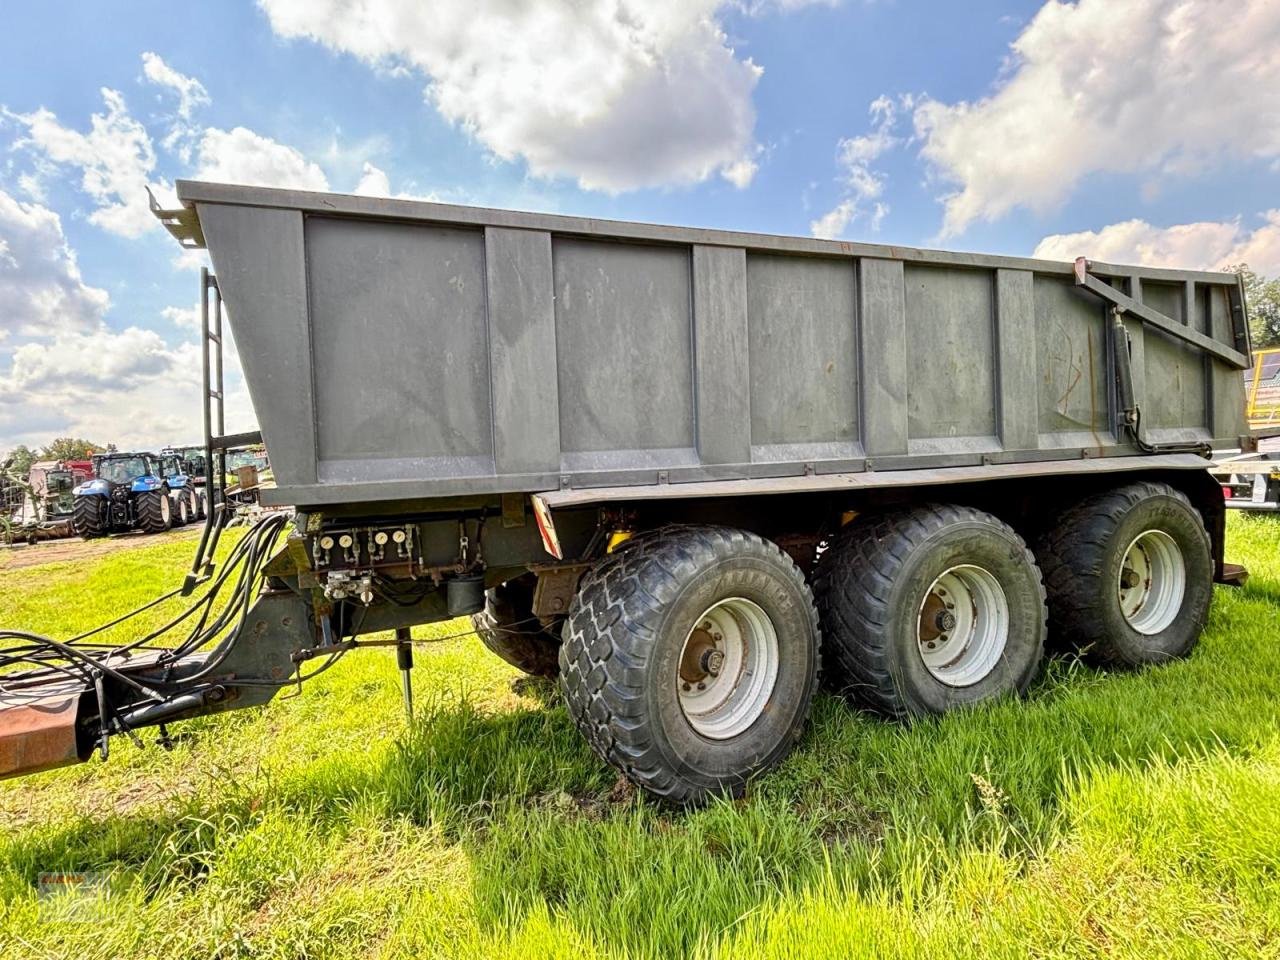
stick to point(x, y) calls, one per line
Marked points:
point(1138, 131)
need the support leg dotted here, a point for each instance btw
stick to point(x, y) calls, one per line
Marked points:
point(404, 659)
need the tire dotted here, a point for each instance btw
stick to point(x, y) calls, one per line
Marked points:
point(890, 587)
point(199, 501)
point(629, 663)
point(508, 628)
point(1083, 556)
point(89, 517)
point(181, 509)
point(155, 511)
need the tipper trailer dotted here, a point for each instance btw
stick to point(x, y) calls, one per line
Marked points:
point(680, 469)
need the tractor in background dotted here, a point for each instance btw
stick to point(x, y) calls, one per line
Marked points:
point(136, 491)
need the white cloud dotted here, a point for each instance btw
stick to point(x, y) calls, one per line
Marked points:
point(1207, 245)
point(832, 224)
point(190, 91)
point(115, 159)
point(740, 173)
point(87, 362)
point(127, 387)
point(861, 184)
point(183, 317)
point(619, 95)
point(373, 182)
point(242, 156)
point(1147, 87)
point(41, 290)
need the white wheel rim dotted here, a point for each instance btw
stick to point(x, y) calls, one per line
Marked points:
point(963, 625)
point(165, 508)
point(1152, 582)
point(728, 668)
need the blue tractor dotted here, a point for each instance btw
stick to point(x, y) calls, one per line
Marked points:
point(136, 491)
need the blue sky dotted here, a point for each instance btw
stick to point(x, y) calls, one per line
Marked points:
point(1132, 130)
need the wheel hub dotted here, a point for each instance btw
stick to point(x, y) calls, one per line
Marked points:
point(728, 668)
point(1152, 582)
point(697, 654)
point(963, 625)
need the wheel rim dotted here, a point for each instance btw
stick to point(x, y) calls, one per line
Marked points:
point(728, 668)
point(963, 625)
point(1152, 582)
point(166, 508)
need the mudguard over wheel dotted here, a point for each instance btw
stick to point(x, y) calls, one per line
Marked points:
point(928, 608)
point(155, 511)
point(89, 516)
point(1129, 574)
point(508, 628)
point(690, 659)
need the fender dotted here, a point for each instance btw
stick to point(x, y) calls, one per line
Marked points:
point(93, 488)
point(145, 484)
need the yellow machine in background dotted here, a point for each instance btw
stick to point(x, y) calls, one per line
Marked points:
point(1251, 479)
point(1262, 386)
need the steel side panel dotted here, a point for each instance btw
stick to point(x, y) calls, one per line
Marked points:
point(400, 351)
point(624, 347)
point(722, 372)
point(258, 256)
point(522, 351)
point(882, 340)
point(803, 383)
point(950, 356)
point(1015, 329)
point(400, 348)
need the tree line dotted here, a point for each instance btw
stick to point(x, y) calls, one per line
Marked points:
point(1264, 307)
point(19, 460)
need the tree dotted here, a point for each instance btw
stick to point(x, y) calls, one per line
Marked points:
point(69, 448)
point(19, 460)
point(1264, 307)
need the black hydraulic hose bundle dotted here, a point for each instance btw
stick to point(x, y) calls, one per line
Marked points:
point(32, 665)
point(149, 679)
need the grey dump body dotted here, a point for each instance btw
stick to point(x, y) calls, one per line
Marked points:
point(399, 350)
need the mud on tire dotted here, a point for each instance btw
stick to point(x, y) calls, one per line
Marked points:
point(508, 628)
point(625, 659)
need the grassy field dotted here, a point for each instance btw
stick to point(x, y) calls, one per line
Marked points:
point(1122, 815)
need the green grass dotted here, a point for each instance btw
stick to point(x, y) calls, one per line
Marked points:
point(1127, 815)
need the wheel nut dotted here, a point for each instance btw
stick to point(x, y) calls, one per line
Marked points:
point(1128, 579)
point(685, 687)
point(702, 686)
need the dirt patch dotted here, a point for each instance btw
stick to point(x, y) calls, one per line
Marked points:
point(21, 555)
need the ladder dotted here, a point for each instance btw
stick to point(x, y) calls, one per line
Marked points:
point(217, 442)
